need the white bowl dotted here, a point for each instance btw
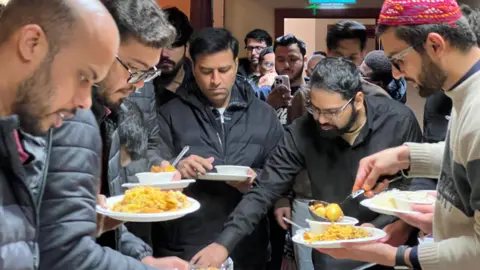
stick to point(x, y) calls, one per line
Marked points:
point(322, 226)
point(149, 178)
point(232, 170)
point(404, 200)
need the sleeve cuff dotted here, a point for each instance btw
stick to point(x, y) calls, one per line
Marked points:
point(229, 239)
point(282, 202)
point(425, 159)
point(414, 258)
point(428, 256)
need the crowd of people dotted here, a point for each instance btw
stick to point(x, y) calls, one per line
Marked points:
point(98, 91)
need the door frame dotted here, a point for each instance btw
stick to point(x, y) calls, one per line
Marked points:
point(300, 13)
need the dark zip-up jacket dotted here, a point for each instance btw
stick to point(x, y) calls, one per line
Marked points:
point(250, 132)
point(68, 217)
point(21, 191)
point(331, 166)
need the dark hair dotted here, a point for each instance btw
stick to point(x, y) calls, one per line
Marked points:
point(458, 34)
point(259, 35)
point(212, 40)
point(2, 6)
point(131, 130)
point(287, 40)
point(264, 52)
point(338, 75)
point(57, 19)
point(142, 20)
point(182, 25)
point(473, 17)
point(320, 53)
point(346, 30)
point(380, 65)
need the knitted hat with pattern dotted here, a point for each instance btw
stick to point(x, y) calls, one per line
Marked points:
point(408, 12)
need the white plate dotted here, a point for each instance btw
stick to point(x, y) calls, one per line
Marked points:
point(154, 177)
point(375, 233)
point(344, 221)
point(233, 170)
point(223, 177)
point(150, 217)
point(164, 185)
point(383, 210)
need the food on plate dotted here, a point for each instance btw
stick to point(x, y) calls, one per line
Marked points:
point(386, 199)
point(331, 212)
point(337, 232)
point(146, 199)
point(159, 169)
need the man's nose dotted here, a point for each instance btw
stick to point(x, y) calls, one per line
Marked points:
point(83, 99)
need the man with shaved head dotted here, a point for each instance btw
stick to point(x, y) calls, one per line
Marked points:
point(53, 52)
point(312, 62)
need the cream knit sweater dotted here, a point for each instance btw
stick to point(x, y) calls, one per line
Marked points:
point(456, 224)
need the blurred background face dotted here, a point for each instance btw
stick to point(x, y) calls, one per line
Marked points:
point(215, 76)
point(268, 64)
point(289, 61)
point(171, 60)
point(337, 115)
point(62, 82)
point(349, 49)
point(137, 57)
point(254, 48)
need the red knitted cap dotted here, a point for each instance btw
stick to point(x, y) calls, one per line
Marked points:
point(404, 12)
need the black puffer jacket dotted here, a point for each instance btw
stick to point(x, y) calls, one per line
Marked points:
point(251, 131)
point(67, 217)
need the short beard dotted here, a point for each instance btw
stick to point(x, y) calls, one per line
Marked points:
point(101, 94)
point(431, 79)
point(167, 77)
point(33, 98)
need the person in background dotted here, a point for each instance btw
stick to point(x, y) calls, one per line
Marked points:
point(55, 50)
point(255, 41)
point(267, 73)
point(289, 60)
point(437, 52)
point(343, 126)
point(132, 133)
point(348, 39)
point(312, 62)
point(377, 69)
point(232, 127)
point(71, 213)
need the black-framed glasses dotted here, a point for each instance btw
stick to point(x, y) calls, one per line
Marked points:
point(332, 113)
point(255, 48)
point(398, 57)
point(140, 75)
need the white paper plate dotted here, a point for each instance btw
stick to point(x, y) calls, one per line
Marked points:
point(345, 221)
point(223, 177)
point(150, 217)
point(163, 185)
point(375, 233)
point(369, 203)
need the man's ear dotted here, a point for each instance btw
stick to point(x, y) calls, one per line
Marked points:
point(32, 44)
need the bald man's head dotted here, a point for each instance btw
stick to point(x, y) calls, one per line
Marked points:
point(56, 50)
point(312, 62)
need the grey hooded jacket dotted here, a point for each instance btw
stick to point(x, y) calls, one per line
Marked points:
point(21, 189)
point(67, 216)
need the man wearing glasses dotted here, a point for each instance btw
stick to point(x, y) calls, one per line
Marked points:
point(343, 126)
point(141, 41)
point(255, 41)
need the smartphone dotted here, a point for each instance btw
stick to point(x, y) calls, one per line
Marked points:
point(282, 80)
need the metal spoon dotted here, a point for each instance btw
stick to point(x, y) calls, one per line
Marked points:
point(180, 156)
point(294, 224)
point(362, 191)
point(313, 214)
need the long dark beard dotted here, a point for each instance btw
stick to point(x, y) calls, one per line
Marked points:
point(33, 99)
point(432, 78)
point(335, 132)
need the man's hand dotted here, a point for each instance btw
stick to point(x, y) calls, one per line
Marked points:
point(189, 167)
point(423, 220)
point(214, 255)
point(167, 262)
point(386, 162)
point(280, 96)
point(104, 223)
point(398, 233)
point(244, 186)
point(282, 212)
point(379, 253)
